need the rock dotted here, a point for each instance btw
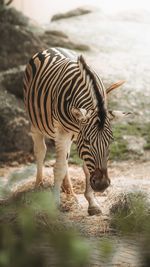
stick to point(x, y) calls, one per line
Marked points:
point(14, 126)
point(12, 81)
point(135, 143)
point(19, 41)
point(56, 38)
point(13, 17)
point(4, 2)
point(56, 33)
point(72, 13)
point(17, 45)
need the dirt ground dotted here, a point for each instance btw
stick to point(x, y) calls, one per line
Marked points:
point(126, 176)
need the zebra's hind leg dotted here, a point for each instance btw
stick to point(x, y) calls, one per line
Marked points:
point(39, 152)
point(93, 207)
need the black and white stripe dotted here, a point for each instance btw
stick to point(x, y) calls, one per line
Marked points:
point(56, 80)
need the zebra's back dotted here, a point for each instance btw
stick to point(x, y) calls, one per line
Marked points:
point(47, 74)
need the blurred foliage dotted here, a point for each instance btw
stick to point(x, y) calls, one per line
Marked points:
point(131, 217)
point(106, 248)
point(34, 233)
point(31, 234)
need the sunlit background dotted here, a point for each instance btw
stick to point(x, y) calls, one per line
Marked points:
point(41, 10)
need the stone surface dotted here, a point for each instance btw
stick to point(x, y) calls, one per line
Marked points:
point(72, 13)
point(135, 143)
point(17, 45)
point(58, 38)
point(14, 125)
point(12, 81)
point(20, 39)
point(12, 16)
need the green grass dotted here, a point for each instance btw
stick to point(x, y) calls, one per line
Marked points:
point(130, 217)
point(130, 214)
point(118, 149)
point(73, 159)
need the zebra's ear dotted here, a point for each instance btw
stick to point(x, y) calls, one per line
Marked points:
point(81, 114)
point(114, 86)
point(116, 114)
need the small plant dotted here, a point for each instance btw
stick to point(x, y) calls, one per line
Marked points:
point(32, 234)
point(130, 213)
point(130, 216)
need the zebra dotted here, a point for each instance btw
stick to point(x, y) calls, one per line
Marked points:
point(66, 101)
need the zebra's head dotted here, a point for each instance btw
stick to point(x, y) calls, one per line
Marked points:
point(93, 143)
point(93, 147)
point(95, 133)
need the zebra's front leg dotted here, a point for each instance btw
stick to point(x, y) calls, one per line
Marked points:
point(62, 143)
point(39, 151)
point(67, 187)
point(67, 184)
point(93, 207)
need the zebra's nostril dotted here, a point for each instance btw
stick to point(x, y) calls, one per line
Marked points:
point(99, 184)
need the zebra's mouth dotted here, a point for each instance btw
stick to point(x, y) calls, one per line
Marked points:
point(99, 186)
point(99, 181)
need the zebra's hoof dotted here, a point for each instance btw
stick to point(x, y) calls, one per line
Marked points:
point(94, 211)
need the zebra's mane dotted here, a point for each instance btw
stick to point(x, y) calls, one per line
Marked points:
point(99, 97)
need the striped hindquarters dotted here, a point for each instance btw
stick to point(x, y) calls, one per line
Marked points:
point(47, 74)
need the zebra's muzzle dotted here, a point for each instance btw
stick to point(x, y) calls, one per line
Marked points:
point(99, 180)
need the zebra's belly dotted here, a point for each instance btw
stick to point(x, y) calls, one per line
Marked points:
point(50, 129)
point(42, 125)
